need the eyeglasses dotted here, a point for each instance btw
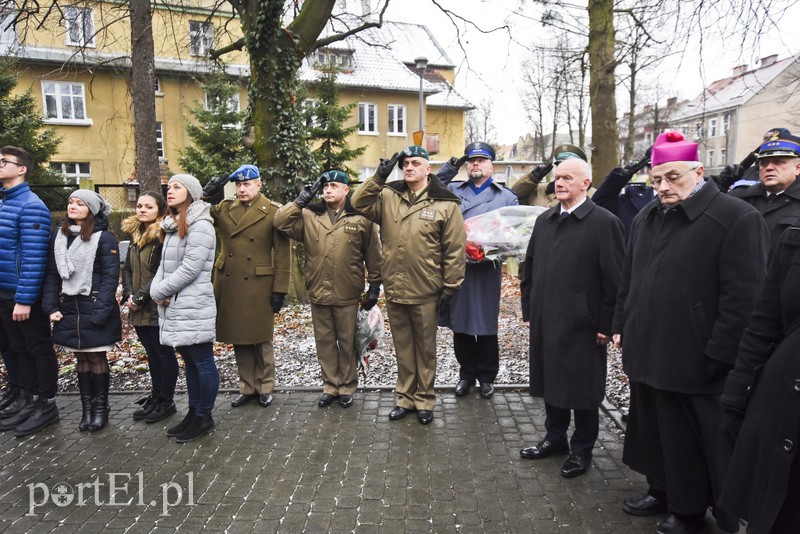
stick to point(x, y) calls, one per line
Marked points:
point(669, 178)
point(4, 162)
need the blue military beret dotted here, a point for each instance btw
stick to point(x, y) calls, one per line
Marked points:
point(244, 173)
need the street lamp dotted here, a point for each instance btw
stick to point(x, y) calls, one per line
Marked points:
point(422, 65)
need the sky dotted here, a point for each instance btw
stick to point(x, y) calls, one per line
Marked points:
point(489, 64)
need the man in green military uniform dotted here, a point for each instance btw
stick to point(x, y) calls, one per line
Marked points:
point(338, 244)
point(251, 278)
point(424, 242)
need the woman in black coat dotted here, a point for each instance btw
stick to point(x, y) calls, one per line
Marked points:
point(762, 398)
point(80, 296)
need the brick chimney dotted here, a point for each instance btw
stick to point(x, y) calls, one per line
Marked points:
point(671, 101)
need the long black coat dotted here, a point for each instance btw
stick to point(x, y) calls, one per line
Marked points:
point(779, 214)
point(569, 285)
point(759, 471)
point(89, 320)
point(688, 286)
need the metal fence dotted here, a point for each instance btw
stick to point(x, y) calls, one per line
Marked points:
point(54, 196)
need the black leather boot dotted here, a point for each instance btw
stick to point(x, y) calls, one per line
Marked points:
point(200, 425)
point(183, 425)
point(28, 405)
point(100, 409)
point(85, 387)
point(147, 403)
point(163, 408)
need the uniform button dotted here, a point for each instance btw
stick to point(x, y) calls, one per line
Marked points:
point(248, 259)
point(231, 254)
point(788, 445)
point(227, 274)
point(246, 278)
point(797, 385)
point(252, 239)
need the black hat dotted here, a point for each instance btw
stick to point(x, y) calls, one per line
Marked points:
point(562, 152)
point(479, 149)
point(780, 145)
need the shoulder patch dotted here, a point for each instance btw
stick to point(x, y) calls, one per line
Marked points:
point(276, 204)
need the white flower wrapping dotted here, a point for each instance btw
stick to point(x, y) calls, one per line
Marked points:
point(369, 331)
point(501, 234)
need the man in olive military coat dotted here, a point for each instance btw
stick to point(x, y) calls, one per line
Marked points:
point(251, 278)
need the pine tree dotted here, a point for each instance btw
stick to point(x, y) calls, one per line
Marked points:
point(216, 132)
point(21, 125)
point(326, 131)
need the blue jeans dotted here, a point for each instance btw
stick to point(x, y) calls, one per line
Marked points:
point(161, 360)
point(202, 377)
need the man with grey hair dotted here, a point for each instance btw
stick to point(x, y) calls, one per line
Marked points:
point(695, 260)
point(569, 284)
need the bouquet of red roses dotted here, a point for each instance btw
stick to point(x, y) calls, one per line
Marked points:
point(501, 234)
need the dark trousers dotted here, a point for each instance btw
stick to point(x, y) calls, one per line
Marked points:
point(695, 453)
point(161, 359)
point(33, 364)
point(478, 356)
point(587, 428)
point(202, 377)
point(642, 451)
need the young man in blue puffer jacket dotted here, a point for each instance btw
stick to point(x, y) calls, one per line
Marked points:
point(29, 403)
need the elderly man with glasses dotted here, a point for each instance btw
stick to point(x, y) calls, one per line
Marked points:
point(695, 260)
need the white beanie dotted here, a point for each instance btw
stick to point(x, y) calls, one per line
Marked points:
point(191, 184)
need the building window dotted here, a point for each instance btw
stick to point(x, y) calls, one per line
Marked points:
point(367, 118)
point(8, 33)
point(160, 140)
point(397, 119)
point(80, 26)
point(710, 159)
point(201, 37)
point(72, 172)
point(726, 123)
point(309, 117)
point(337, 59)
point(712, 127)
point(157, 86)
point(213, 102)
point(723, 156)
point(64, 101)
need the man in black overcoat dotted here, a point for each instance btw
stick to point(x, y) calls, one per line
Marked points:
point(694, 263)
point(570, 281)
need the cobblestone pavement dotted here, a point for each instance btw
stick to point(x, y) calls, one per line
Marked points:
point(294, 467)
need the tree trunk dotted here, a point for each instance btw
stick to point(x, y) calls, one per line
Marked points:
point(142, 95)
point(628, 154)
point(602, 88)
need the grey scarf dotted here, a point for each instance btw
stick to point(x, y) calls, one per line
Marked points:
point(75, 263)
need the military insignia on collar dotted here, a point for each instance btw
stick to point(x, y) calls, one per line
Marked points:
point(427, 215)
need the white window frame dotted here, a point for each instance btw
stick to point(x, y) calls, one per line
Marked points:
point(726, 123)
point(366, 109)
point(712, 127)
point(234, 104)
point(201, 37)
point(397, 113)
point(307, 104)
point(60, 92)
point(723, 157)
point(73, 170)
point(710, 157)
point(157, 86)
point(79, 20)
point(160, 140)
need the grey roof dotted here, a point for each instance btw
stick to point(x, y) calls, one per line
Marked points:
point(410, 41)
point(733, 91)
point(447, 97)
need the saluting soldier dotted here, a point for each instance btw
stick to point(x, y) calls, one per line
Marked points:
point(251, 278)
point(339, 243)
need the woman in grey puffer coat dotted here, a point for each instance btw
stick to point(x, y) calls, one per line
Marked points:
point(185, 297)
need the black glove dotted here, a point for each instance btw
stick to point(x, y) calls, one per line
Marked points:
point(386, 166)
point(276, 300)
point(443, 306)
point(307, 194)
point(371, 299)
point(731, 425)
point(550, 189)
point(729, 175)
point(214, 190)
point(716, 370)
point(456, 163)
point(539, 172)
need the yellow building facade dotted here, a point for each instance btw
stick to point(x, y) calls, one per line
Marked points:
point(78, 68)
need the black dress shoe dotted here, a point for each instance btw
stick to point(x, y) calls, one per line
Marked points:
point(345, 401)
point(487, 390)
point(644, 505)
point(265, 399)
point(425, 416)
point(676, 525)
point(241, 399)
point(462, 388)
point(325, 400)
point(398, 413)
point(543, 450)
point(575, 466)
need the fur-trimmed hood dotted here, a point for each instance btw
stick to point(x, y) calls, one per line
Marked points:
point(133, 227)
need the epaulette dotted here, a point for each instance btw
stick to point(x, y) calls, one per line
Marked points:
point(276, 204)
